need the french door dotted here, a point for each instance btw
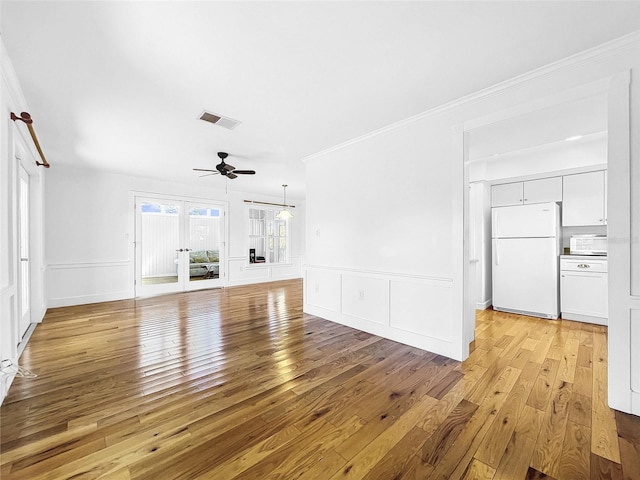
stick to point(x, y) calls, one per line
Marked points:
point(179, 245)
point(24, 264)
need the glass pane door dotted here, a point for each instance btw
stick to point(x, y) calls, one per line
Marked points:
point(179, 246)
point(158, 245)
point(25, 285)
point(204, 233)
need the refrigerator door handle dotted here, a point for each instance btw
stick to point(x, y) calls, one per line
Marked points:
point(496, 257)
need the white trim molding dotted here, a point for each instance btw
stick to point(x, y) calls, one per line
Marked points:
point(410, 309)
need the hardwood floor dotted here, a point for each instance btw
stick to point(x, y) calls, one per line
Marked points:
point(240, 384)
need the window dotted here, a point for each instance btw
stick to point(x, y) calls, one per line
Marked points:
point(268, 236)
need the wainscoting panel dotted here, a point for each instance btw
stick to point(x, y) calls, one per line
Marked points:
point(366, 298)
point(9, 313)
point(414, 310)
point(77, 283)
point(422, 307)
point(322, 289)
point(241, 273)
point(635, 354)
point(285, 272)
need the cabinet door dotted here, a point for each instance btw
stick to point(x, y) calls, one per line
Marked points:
point(584, 294)
point(583, 199)
point(543, 190)
point(506, 194)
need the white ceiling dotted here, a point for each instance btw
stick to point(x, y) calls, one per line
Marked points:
point(119, 85)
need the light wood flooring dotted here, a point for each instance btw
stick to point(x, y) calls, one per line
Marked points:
point(240, 384)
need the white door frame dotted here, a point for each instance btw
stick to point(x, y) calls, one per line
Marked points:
point(624, 250)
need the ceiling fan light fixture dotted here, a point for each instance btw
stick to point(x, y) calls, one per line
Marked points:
point(284, 214)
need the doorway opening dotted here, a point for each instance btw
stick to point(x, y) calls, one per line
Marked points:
point(179, 245)
point(530, 141)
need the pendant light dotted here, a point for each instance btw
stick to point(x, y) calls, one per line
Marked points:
point(284, 214)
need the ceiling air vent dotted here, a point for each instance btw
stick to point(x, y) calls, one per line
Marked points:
point(224, 122)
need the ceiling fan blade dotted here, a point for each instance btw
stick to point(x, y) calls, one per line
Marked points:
point(245, 172)
point(207, 174)
point(231, 175)
point(229, 167)
point(205, 170)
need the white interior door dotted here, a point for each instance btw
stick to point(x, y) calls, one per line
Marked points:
point(204, 245)
point(158, 244)
point(179, 246)
point(24, 268)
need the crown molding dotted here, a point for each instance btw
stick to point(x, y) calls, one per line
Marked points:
point(602, 50)
point(17, 100)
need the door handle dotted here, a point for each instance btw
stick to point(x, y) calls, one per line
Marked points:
point(24, 259)
point(180, 250)
point(187, 249)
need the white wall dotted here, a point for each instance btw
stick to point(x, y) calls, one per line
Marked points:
point(388, 207)
point(89, 230)
point(15, 142)
point(379, 229)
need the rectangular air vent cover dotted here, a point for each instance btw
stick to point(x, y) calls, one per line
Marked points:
point(224, 122)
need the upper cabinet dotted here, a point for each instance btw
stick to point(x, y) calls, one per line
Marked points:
point(583, 196)
point(543, 190)
point(532, 191)
point(584, 199)
point(506, 194)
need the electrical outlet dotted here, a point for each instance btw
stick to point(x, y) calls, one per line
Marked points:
point(361, 294)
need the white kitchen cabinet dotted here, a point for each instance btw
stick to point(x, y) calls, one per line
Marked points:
point(584, 201)
point(543, 190)
point(532, 191)
point(507, 194)
point(584, 289)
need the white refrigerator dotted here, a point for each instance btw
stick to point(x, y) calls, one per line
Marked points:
point(526, 256)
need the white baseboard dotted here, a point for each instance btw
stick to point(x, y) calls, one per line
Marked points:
point(483, 305)
point(584, 318)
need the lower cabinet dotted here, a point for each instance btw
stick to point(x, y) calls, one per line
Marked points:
point(584, 289)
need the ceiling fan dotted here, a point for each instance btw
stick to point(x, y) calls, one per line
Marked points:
point(222, 168)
